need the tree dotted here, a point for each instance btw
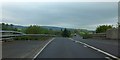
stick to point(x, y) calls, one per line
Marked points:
point(37, 30)
point(66, 33)
point(103, 28)
point(8, 27)
point(33, 30)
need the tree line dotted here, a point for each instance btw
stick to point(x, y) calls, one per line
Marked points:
point(35, 29)
point(103, 28)
point(6, 26)
point(38, 30)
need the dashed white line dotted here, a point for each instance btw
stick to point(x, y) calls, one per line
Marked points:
point(108, 54)
point(43, 48)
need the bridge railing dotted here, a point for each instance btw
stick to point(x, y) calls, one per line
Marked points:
point(10, 35)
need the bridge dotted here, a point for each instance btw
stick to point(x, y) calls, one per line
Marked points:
point(8, 35)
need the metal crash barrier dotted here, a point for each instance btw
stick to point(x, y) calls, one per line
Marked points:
point(10, 35)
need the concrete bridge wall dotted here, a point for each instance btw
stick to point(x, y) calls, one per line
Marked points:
point(113, 33)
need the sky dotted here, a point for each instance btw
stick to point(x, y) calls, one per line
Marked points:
point(80, 15)
point(59, 0)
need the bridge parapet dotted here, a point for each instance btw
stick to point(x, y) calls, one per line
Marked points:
point(9, 35)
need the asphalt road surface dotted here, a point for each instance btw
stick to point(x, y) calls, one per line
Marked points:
point(22, 48)
point(110, 46)
point(65, 48)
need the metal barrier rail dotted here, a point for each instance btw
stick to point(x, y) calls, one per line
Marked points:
point(10, 35)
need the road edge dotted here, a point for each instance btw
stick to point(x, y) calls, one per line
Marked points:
point(43, 48)
point(94, 48)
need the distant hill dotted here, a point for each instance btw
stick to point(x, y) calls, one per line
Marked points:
point(46, 27)
point(53, 28)
point(19, 27)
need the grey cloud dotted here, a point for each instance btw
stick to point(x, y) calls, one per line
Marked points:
point(71, 15)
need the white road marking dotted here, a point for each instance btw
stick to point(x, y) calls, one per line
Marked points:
point(43, 48)
point(108, 58)
point(106, 53)
point(85, 46)
point(71, 39)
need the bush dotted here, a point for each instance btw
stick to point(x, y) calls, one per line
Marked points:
point(85, 36)
point(103, 28)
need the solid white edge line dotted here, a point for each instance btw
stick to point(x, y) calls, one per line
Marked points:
point(43, 48)
point(97, 49)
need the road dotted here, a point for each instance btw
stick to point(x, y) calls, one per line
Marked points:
point(65, 48)
point(110, 46)
point(22, 48)
point(60, 47)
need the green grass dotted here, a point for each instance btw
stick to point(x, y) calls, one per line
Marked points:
point(31, 38)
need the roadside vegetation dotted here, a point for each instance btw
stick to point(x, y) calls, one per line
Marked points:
point(32, 38)
point(100, 29)
point(103, 28)
point(35, 29)
point(8, 27)
point(32, 29)
point(85, 34)
point(66, 33)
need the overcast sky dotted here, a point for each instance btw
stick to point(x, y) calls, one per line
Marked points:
point(83, 15)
